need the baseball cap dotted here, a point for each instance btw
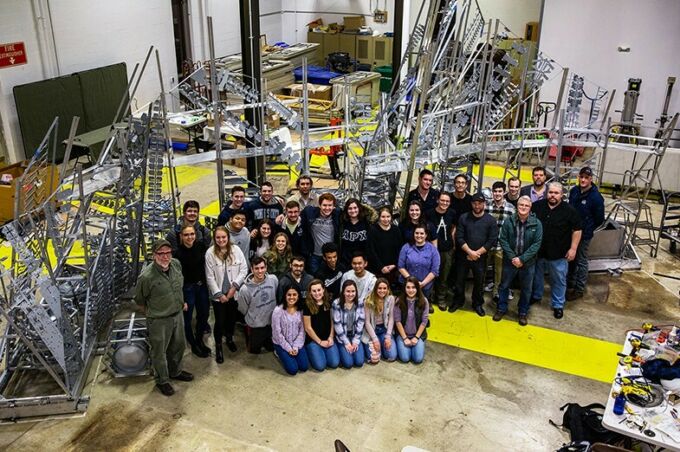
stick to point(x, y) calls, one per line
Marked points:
point(585, 170)
point(160, 243)
point(478, 197)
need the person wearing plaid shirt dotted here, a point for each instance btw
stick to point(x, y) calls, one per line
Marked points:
point(500, 209)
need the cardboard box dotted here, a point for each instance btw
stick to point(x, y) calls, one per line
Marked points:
point(320, 92)
point(8, 192)
point(353, 23)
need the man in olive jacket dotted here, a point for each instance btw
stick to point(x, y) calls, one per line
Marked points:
point(159, 291)
point(520, 238)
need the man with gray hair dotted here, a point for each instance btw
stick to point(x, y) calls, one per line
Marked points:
point(520, 239)
point(561, 235)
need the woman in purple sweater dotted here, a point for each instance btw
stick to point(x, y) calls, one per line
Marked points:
point(420, 259)
point(288, 333)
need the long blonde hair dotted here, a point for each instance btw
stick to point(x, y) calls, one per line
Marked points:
point(226, 255)
point(373, 301)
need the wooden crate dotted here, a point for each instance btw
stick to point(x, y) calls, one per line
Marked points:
point(47, 174)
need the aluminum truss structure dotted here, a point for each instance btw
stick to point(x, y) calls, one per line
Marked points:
point(75, 254)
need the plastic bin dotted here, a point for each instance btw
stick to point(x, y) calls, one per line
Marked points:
point(318, 75)
point(385, 78)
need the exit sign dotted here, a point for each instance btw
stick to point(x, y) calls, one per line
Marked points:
point(12, 54)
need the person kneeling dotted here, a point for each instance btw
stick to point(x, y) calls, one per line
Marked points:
point(410, 317)
point(377, 337)
point(348, 321)
point(318, 321)
point(288, 333)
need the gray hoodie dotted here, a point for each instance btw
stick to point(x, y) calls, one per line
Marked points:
point(257, 301)
point(240, 239)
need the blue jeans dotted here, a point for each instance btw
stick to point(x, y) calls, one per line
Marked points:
point(348, 359)
point(558, 280)
point(415, 354)
point(292, 364)
point(389, 355)
point(578, 268)
point(314, 264)
point(320, 357)
point(196, 296)
point(526, 279)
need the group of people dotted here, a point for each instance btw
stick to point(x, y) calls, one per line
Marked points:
point(323, 286)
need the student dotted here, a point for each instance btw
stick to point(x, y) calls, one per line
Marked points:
point(321, 225)
point(330, 272)
point(264, 239)
point(288, 333)
point(444, 219)
point(256, 301)
point(354, 235)
point(348, 322)
point(501, 210)
point(189, 217)
point(305, 196)
point(416, 217)
point(461, 200)
point(279, 256)
point(318, 322)
point(297, 277)
point(364, 279)
point(420, 259)
point(377, 337)
point(225, 271)
point(191, 254)
point(238, 196)
point(265, 206)
point(384, 242)
point(514, 186)
point(292, 226)
point(238, 233)
point(424, 193)
point(410, 318)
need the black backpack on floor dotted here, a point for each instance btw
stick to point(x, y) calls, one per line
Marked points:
point(585, 424)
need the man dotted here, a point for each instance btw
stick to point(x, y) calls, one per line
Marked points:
point(321, 225)
point(266, 206)
point(296, 277)
point(256, 301)
point(292, 226)
point(330, 272)
point(476, 234)
point(461, 201)
point(424, 191)
point(589, 203)
point(444, 219)
point(501, 210)
point(561, 235)
point(238, 196)
point(238, 233)
point(189, 217)
point(536, 191)
point(159, 291)
point(520, 239)
point(364, 279)
point(305, 196)
point(512, 195)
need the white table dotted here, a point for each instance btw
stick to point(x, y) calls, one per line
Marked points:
point(617, 423)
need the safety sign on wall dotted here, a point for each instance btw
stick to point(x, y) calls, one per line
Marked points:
point(12, 54)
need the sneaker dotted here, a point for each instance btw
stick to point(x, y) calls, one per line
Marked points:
point(166, 389)
point(498, 316)
point(488, 287)
point(558, 313)
point(511, 296)
point(183, 376)
point(522, 320)
point(574, 295)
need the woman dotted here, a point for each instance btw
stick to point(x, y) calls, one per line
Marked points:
point(410, 318)
point(288, 333)
point(420, 259)
point(279, 256)
point(225, 271)
point(415, 217)
point(263, 240)
point(348, 322)
point(377, 337)
point(354, 231)
point(318, 321)
point(191, 254)
point(384, 244)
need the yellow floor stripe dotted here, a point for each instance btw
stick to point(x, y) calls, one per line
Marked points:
point(533, 345)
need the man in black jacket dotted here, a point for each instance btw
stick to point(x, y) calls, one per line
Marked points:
point(321, 225)
point(266, 206)
point(330, 272)
point(291, 224)
point(444, 218)
point(476, 234)
point(189, 217)
point(296, 277)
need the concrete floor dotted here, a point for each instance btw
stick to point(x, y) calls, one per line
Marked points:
point(455, 400)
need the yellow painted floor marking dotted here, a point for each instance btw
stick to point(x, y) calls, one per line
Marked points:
point(534, 345)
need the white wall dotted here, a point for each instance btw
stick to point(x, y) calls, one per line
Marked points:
point(584, 35)
point(88, 34)
point(514, 15)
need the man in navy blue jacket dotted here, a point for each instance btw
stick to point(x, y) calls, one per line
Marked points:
point(588, 202)
point(321, 225)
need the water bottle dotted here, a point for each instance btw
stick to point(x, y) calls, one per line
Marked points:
point(619, 404)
